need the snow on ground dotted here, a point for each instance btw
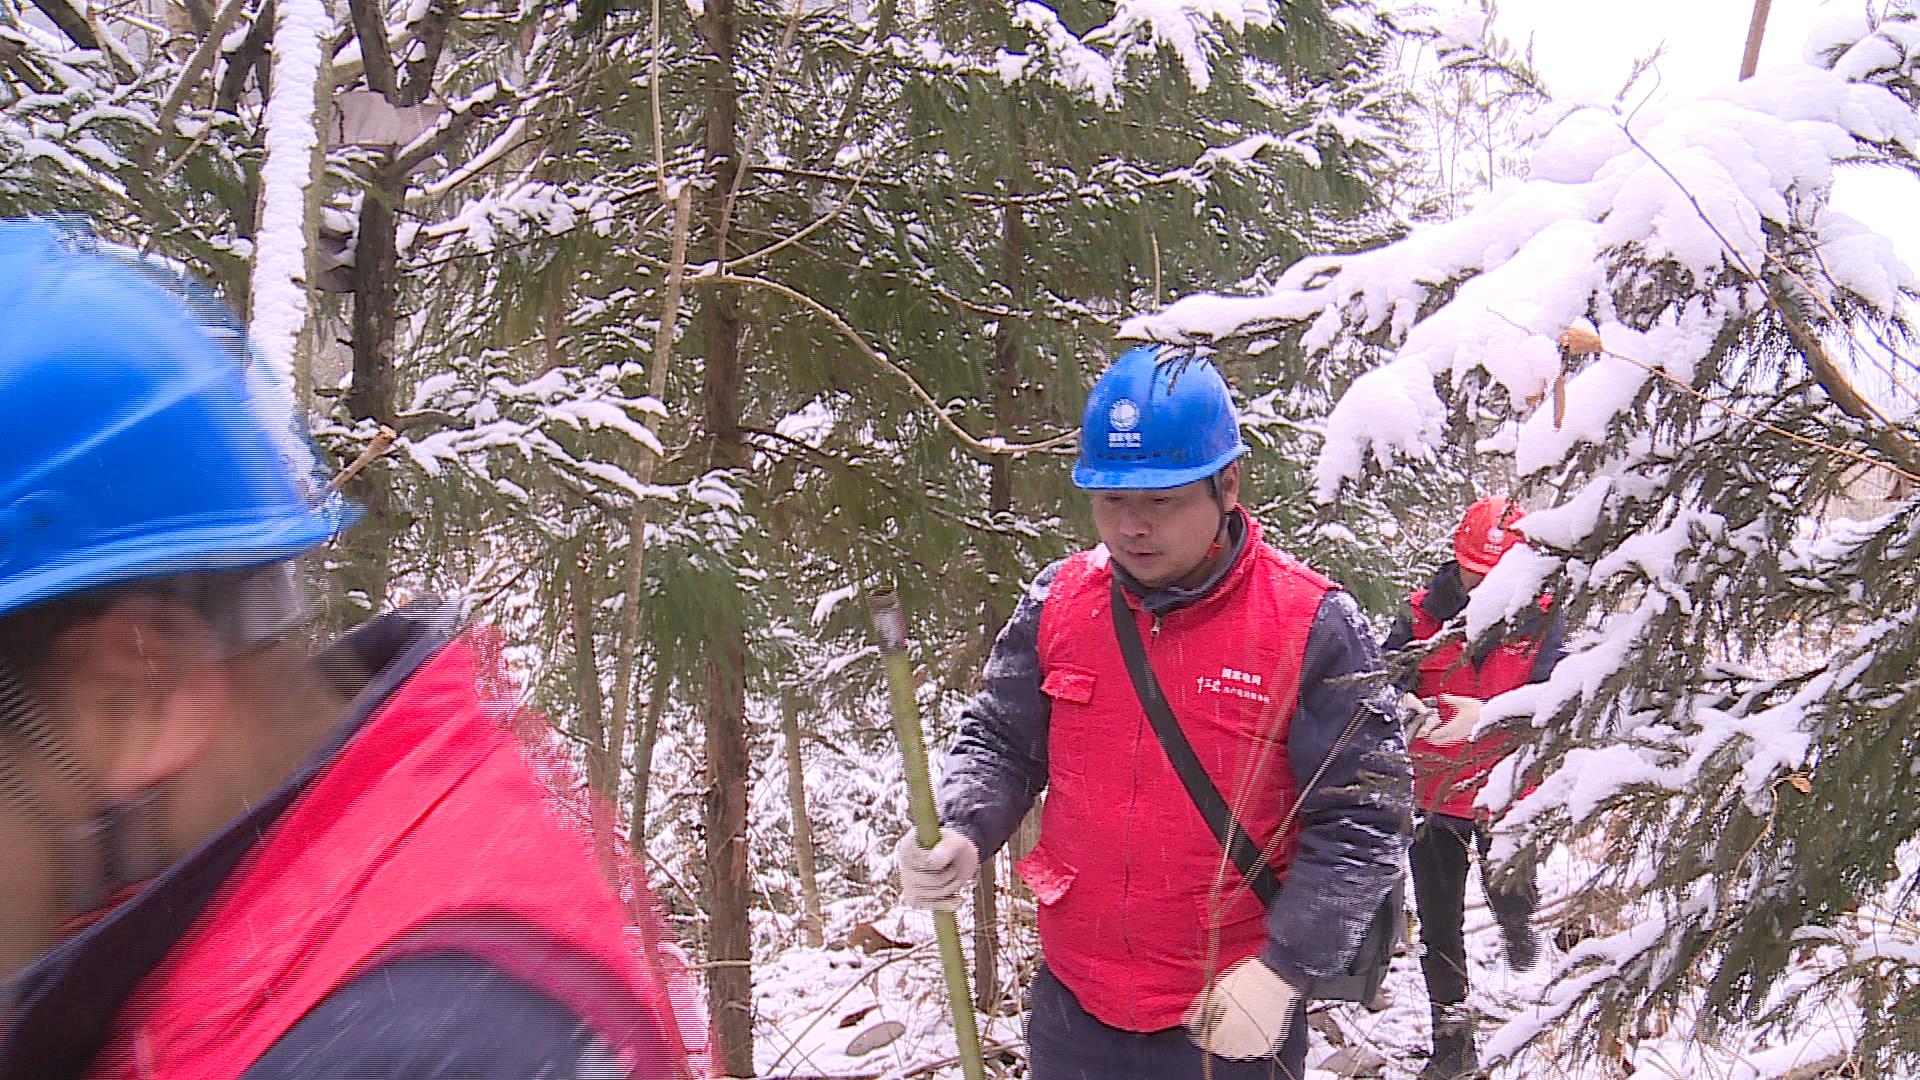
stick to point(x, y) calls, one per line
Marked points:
point(813, 1004)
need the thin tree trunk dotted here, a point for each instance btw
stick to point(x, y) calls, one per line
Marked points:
point(593, 728)
point(1026, 836)
point(1756, 33)
point(368, 549)
point(802, 826)
point(643, 744)
point(986, 938)
point(376, 297)
point(313, 334)
point(987, 991)
point(729, 888)
point(636, 577)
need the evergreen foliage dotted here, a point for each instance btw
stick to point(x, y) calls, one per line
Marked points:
point(1730, 739)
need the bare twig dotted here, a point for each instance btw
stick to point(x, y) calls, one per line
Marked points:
point(1756, 32)
point(856, 93)
point(815, 226)
point(759, 124)
point(1586, 343)
point(1886, 437)
point(381, 443)
point(197, 66)
point(70, 22)
point(832, 318)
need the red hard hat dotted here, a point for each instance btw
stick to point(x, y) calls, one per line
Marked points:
point(1485, 533)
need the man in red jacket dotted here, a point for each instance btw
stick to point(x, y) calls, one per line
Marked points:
point(1451, 766)
point(1158, 953)
point(227, 858)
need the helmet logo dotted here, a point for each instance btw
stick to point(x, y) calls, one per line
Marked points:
point(1123, 417)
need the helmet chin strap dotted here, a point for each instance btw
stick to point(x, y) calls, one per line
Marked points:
point(97, 858)
point(1226, 513)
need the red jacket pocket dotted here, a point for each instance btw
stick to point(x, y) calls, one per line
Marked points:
point(1046, 875)
point(1069, 684)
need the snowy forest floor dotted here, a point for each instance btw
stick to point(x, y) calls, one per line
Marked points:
point(816, 1008)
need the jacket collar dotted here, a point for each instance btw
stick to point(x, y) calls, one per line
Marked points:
point(60, 1011)
point(1445, 596)
point(1242, 534)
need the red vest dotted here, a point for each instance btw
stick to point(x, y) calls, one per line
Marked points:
point(1138, 903)
point(430, 831)
point(1446, 779)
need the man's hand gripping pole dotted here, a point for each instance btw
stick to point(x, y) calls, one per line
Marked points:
point(890, 626)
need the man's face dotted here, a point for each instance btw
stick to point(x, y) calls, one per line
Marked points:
point(1471, 579)
point(1161, 537)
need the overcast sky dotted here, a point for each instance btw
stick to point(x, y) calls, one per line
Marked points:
point(1586, 50)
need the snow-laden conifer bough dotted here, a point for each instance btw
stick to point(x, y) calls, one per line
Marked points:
point(1650, 327)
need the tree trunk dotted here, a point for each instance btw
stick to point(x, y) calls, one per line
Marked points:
point(593, 727)
point(1756, 33)
point(986, 938)
point(643, 769)
point(802, 827)
point(313, 336)
point(376, 296)
point(729, 888)
point(376, 287)
point(629, 641)
point(994, 610)
point(368, 549)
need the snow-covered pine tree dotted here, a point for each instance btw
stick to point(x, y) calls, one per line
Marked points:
point(1742, 794)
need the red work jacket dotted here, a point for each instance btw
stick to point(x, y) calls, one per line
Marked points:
point(429, 832)
point(1138, 904)
point(1446, 779)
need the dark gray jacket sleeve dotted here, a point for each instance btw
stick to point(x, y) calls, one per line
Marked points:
point(1356, 819)
point(446, 1017)
point(1553, 647)
point(1399, 638)
point(998, 765)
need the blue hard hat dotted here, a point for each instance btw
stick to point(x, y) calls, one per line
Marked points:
point(1158, 418)
point(138, 439)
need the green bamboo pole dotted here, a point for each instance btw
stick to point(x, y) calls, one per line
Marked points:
point(890, 625)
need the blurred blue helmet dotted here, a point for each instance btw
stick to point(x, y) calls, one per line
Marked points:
point(1160, 417)
point(139, 441)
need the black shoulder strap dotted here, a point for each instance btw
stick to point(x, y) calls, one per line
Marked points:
point(1200, 788)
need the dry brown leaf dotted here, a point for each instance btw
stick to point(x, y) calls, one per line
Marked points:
point(1581, 341)
point(1801, 784)
point(868, 939)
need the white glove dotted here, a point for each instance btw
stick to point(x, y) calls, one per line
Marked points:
point(1466, 717)
point(936, 878)
point(1245, 1014)
point(1419, 714)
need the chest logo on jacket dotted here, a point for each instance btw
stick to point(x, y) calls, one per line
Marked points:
point(1233, 683)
